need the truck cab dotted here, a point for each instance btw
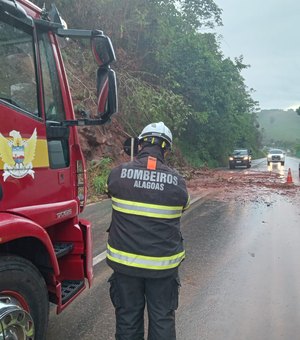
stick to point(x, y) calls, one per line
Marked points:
point(45, 248)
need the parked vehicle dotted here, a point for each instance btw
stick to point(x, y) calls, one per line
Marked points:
point(45, 248)
point(240, 157)
point(276, 156)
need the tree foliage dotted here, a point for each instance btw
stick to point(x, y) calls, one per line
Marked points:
point(170, 70)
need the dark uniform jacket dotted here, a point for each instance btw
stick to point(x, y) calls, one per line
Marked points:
point(148, 199)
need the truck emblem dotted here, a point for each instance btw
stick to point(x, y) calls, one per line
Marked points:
point(64, 213)
point(17, 154)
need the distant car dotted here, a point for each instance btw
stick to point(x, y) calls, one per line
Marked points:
point(240, 157)
point(276, 156)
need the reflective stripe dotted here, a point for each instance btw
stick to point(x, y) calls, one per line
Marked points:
point(144, 209)
point(146, 262)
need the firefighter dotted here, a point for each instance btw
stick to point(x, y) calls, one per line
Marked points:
point(145, 246)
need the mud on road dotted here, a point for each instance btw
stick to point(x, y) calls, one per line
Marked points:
point(241, 185)
point(224, 184)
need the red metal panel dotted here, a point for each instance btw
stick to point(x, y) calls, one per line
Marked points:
point(14, 227)
point(86, 225)
point(49, 214)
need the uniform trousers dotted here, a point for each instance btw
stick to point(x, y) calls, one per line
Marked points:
point(130, 295)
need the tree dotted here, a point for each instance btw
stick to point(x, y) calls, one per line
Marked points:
point(169, 70)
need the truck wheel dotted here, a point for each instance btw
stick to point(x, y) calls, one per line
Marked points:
point(24, 306)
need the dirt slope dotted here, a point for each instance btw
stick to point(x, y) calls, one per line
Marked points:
point(107, 141)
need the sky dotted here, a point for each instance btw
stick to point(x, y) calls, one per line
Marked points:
point(267, 34)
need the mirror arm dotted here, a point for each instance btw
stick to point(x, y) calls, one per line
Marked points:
point(77, 33)
point(84, 122)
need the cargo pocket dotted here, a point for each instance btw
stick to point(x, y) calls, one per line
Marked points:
point(113, 291)
point(175, 293)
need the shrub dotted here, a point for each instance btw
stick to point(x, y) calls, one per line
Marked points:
point(98, 173)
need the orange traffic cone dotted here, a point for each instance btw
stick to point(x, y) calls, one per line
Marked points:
point(289, 178)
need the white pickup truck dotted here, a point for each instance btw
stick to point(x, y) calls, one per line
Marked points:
point(276, 156)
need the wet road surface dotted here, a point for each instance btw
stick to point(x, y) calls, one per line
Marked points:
point(240, 279)
point(290, 163)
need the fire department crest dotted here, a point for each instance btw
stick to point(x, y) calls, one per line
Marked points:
point(17, 154)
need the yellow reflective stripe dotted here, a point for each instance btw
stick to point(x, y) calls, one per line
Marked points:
point(145, 209)
point(145, 262)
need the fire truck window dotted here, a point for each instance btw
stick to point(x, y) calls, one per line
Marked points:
point(18, 85)
point(54, 108)
point(58, 145)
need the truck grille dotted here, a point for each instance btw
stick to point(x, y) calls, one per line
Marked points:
point(276, 158)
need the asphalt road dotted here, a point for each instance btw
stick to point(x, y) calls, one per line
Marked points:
point(290, 163)
point(240, 279)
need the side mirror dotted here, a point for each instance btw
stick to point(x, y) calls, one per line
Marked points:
point(102, 48)
point(131, 146)
point(106, 93)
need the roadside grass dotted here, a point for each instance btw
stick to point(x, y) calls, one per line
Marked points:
point(97, 174)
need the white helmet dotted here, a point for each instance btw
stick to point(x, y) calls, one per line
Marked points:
point(156, 130)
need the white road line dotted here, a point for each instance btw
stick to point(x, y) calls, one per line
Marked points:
point(97, 259)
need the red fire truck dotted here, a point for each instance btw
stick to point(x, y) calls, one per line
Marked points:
point(45, 248)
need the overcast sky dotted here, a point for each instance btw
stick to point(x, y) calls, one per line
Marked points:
point(267, 34)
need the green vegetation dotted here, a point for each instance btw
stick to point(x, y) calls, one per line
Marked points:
point(170, 68)
point(98, 172)
point(280, 128)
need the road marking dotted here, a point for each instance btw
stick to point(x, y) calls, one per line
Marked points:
point(97, 259)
